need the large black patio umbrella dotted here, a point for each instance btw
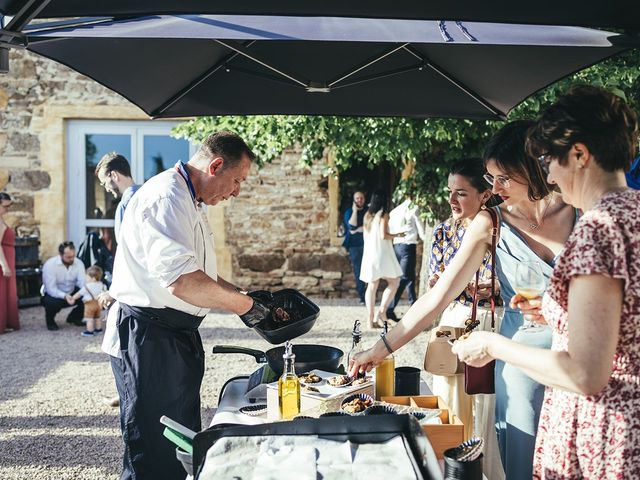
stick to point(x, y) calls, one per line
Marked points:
point(173, 66)
point(624, 14)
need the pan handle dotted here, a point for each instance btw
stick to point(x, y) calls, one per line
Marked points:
point(257, 354)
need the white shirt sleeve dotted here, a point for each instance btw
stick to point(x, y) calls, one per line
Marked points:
point(50, 282)
point(166, 234)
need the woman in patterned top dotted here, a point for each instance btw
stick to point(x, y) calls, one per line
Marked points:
point(468, 193)
point(590, 421)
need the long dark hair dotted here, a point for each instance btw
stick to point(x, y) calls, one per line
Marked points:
point(377, 203)
point(507, 149)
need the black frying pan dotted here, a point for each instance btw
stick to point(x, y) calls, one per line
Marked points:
point(308, 357)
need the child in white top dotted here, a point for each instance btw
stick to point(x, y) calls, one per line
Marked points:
point(92, 312)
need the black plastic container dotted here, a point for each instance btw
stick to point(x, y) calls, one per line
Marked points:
point(289, 299)
point(407, 381)
point(355, 429)
point(457, 470)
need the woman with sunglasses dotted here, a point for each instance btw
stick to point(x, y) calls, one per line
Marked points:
point(590, 422)
point(8, 289)
point(534, 225)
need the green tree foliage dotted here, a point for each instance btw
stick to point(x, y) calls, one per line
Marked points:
point(432, 145)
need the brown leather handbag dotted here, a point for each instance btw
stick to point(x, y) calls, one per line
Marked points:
point(482, 380)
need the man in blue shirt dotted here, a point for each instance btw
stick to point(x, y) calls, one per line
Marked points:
point(353, 239)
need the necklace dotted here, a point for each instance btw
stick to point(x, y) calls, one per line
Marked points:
point(533, 225)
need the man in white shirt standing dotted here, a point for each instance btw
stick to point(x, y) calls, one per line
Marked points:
point(405, 219)
point(114, 174)
point(165, 280)
point(62, 276)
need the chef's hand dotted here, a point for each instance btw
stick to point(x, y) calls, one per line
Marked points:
point(473, 348)
point(257, 314)
point(362, 362)
point(530, 308)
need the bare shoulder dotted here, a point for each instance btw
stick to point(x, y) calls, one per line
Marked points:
point(481, 227)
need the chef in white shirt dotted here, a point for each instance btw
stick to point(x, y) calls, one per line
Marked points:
point(405, 219)
point(165, 280)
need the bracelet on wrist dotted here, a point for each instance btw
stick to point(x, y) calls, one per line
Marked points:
point(386, 344)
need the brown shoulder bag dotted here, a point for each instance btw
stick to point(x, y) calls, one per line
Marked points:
point(482, 380)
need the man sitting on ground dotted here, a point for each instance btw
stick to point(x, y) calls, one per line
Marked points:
point(62, 276)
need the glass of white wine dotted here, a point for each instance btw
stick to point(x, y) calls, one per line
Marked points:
point(530, 283)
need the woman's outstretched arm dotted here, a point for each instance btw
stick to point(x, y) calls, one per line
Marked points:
point(423, 313)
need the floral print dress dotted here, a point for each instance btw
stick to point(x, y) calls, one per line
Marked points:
point(596, 436)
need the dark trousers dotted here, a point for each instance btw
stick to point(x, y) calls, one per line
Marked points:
point(53, 305)
point(160, 373)
point(406, 255)
point(355, 255)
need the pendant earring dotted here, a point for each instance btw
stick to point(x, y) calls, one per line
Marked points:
point(483, 207)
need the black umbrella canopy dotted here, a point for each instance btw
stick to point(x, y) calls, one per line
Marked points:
point(175, 66)
point(610, 14)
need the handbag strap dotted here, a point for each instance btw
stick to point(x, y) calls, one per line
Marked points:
point(494, 237)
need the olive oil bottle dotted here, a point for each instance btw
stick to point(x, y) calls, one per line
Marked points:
point(289, 386)
point(385, 372)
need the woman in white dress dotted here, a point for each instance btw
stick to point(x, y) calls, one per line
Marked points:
point(379, 259)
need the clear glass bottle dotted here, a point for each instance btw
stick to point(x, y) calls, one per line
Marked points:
point(356, 346)
point(289, 386)
point(385, 371)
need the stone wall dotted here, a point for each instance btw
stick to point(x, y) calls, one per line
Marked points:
point(281, 235)
point(275, 235)
point(32, 160)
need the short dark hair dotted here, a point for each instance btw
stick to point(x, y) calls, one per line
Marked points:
point(228, 145)
point(114, 162)
point(507, 149)
point(593, 116)
point(67, 244)
point(4, 196)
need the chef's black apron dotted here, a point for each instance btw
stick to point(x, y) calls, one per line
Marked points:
point(162, 368)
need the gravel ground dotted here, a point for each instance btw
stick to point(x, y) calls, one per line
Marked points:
point(54, 423)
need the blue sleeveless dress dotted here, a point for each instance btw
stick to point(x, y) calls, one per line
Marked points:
point(518, 397)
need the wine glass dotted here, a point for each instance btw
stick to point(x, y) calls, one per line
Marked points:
point(530, 283)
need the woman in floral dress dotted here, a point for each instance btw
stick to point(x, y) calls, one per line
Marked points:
point(590, 422)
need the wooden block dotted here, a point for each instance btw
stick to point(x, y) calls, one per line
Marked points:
point(442, 437)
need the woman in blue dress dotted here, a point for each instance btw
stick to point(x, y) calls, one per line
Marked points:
point(534, 225)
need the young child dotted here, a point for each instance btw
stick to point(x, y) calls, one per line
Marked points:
point(92, 312)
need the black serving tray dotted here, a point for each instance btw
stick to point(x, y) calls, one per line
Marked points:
point(288, 298)
point(376, 429)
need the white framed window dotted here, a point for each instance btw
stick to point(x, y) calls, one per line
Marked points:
point(146, 144)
